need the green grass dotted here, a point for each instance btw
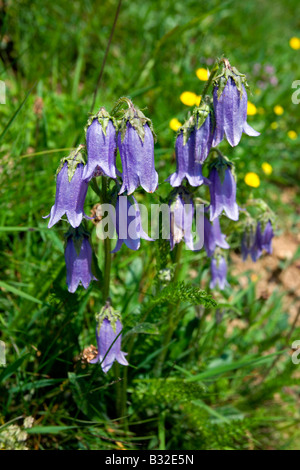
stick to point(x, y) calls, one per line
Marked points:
point(216, 388)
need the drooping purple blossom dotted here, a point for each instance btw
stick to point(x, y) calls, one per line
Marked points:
point(137, 158)
point(181, 220)
point(101, 150)
point(223, 194)
point(187, 166)
point(109, 345)
point(218, 273)
point(128, 224)
point(203, 139)
point(267, 238)
point(78, 263)
point(213, 236)
point(70, 197)
point(253, 244)
point(231, 114)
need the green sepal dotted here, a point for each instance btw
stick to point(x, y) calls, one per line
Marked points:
point(76, 157)
point(221, 163)
point(136, 119)
point(110, 313)
point(230, 72)
point(77, 234)
point(103, 117)
point(201, 112)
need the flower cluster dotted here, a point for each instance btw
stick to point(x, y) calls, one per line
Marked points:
point(132, 134)
point(216, 118)
point(224, 116)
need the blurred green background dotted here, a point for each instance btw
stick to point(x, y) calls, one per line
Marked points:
point(228, 380)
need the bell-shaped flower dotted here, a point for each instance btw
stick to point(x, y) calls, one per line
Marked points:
point(128, 224)
point(218, 273)
point(78, 257)
point(223, 193)
point(108, 335)
point(253, 244)
point(101, 146)
point(181, 219)
point(230, 106)
point(267, 238)
point(204, 130)
point(71, 191)
point(136, 146)
point(213, 236)
point(187, 166)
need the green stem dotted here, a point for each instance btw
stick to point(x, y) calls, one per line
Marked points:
point(106, 54)
point(172, 319)
point(211, 77)
point(121, 101)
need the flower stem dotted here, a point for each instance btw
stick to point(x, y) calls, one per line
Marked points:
point(106, 54)
point(171, 318)
point(211, 77)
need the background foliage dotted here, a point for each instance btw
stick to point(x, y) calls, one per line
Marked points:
point(226, 380)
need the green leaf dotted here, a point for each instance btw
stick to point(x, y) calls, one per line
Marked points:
point(20, 293)
point(12, 368)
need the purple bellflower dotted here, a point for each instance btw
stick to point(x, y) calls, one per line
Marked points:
point(204, 139)
point(223, 193)
point(101, 146)
point(181, 219)
point(218, 273)
point(230, 105)
point(267, 238)
point(213, 236)
point(71, 191)
point(128, 224)
point(136, 146)
point(254, 244)
point(78, 257)
point(204, 129)
point(187, 166)
point(108, 335)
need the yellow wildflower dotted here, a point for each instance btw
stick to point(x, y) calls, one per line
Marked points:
point(202, 74)
point(261, 110)
point(175, 124)
point(292, 135)
point(295, 43)
point(278, 110)
point(188, 98)
point(252, 179)
point(267, 168)
point(274, 125)
point(251, 109)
